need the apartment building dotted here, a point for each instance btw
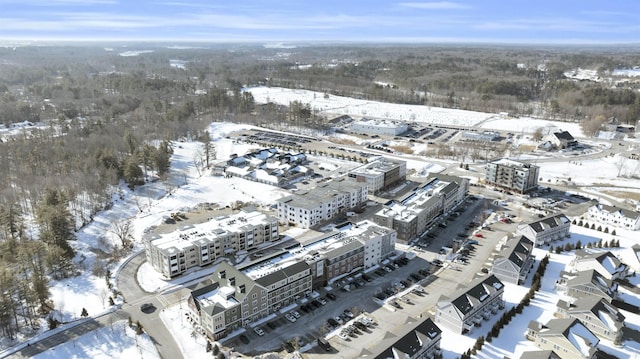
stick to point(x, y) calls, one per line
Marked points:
point(480, 300)
point(587, 283)
point(196, 245)
point(381, 174)
point(306, 209)
point(512, 175)
point(605, 263)
point(548, 229)
point(411, 214)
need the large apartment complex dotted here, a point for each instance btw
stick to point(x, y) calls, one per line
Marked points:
point(512, 175)
point(238, 296)
point(411, 214)
point(198, 245)
point(306, 209)
point(380, 174)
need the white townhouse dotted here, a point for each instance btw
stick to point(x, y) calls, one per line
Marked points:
point(614, 216)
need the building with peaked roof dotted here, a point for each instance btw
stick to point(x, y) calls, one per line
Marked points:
point(546, 230)
point(196, 245)
point(423, 342)
point(411, 214)
point(380, 174)
point(614, 216)
point(587, 283)
point(469, 306)
point(539, 354)
point(306, 209)
point(607, 264)
point(600, 316)
point(512, 175)
point(567, 338)
point(379, 126)
point(268, 166)
point(560, 140)
point(514, 261)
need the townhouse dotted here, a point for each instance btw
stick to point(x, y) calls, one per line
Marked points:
point(601, 317)
point(191, 246)
point(605, 263)
point(423, 342)
point(587, 283)
point(514, 261)
point(567, 338)
point(548, 229)
point(468, 307)
point(614, 216)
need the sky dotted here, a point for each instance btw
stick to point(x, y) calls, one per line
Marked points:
point(465, 21)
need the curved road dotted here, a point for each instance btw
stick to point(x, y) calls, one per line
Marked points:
point(134, 296)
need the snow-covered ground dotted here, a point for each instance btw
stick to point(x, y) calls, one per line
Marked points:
point(115, 341)
point(595, 172)
point(338, 105)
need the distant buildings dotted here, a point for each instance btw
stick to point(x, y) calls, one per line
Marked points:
point(238, 296)
point(380, 174)
point(614, 216)
point(322, 203)
point(467, 308)
point(485, 136)
point(512, 175)
point(567, 338)
point(421, 343)
point(268, 166)
point(546, 230)
point(379, 127)
point(560, 140)
point(198, 245)
point(514, 261)
point(412, 214)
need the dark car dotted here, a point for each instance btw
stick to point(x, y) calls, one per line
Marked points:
point(272, 325)
point(147, 307)
point(331, 296)
point(334, 323)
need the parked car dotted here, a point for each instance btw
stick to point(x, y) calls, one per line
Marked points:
point(290, 318)
point(295, 314)
point(348, 313)
point(322, 301)
point(331, 296)
point(258, 331)
point(479, 235)
point(334, 323)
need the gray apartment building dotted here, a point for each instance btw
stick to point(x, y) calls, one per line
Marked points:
point(196, 245)
point(380, 174)
point(512, 175)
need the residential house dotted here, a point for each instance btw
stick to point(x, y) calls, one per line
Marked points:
point(567, 338)
point(546, 230)
point(587, 283)
point(512, 175)
point(514, 261)
point(614, 216)
point(601, 317)
point(607, 264)
point(423, 342)
point(469, 306)
point(539, 354)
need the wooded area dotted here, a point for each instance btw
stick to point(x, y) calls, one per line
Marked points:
point(112, 118)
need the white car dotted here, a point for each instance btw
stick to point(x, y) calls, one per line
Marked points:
point(296, 314)
point(343, 335)
point(322, 301)
point(290, 318)
point(258, 331)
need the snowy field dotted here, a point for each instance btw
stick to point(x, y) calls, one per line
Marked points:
point(338, 105)
point(116, 341)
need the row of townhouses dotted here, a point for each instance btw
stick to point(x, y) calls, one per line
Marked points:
point(614, 216)
point(239, 296)
point(546, 230)
point(514, 261)
point(422, 342)
point(412, 214)
point(306, 209)
point(267, 166)
point(191, 246)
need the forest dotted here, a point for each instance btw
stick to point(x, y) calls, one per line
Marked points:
point(106, 119)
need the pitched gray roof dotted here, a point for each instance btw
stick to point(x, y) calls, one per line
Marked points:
point(411, 343)
point(546, 223)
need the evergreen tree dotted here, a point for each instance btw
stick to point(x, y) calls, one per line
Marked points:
point(84, 313)
point(55, 221)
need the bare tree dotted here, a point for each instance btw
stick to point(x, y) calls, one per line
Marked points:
point(123, 231)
